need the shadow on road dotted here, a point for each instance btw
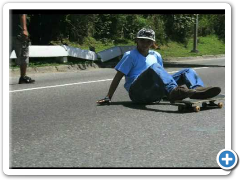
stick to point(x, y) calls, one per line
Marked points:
point(132, 105)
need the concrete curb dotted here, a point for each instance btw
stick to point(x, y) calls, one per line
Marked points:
point(91, 66)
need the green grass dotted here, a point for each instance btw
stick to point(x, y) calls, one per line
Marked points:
point(209, 45)
point(99, 45)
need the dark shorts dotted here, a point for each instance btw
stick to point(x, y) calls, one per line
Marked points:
point(21, 46)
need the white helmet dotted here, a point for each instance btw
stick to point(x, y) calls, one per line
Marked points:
point(146, 34)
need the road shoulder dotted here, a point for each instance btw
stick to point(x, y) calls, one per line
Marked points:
point(95, 65)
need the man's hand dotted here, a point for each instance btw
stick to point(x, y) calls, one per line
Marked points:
point(25, 33)
point(107, 100)
point(104, 101)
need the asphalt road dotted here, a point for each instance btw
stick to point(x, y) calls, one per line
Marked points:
point(56, 123)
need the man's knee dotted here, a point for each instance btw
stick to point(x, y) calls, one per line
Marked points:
point(155, 66)
point(189, 70)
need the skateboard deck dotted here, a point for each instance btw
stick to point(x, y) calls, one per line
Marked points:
point(197, 104)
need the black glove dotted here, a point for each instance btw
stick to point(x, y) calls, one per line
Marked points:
point(104, 101)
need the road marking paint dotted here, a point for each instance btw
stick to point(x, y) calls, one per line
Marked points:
point(71, 84)
point(60, 85)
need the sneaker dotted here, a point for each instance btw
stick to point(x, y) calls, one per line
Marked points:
point(25, 80)
point(180, 93)
point(206, 92)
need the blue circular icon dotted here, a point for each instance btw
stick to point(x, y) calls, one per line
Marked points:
point(227, 159)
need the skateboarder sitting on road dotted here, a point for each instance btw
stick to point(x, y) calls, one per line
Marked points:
point(147, 81)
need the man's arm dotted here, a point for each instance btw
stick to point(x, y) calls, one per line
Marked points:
point(23, 20)
point(112, 89)
point(114, 84)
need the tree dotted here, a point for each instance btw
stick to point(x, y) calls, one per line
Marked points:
point(45, 28)
point(178, 27)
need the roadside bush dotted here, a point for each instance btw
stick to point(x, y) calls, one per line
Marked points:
point(110, 28)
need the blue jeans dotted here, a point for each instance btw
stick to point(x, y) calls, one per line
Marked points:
point(155, 83)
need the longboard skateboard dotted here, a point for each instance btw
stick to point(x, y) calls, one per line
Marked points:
point(197, 104)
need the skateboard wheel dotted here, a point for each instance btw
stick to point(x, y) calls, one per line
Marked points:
point(196, 108)
point(220, 105)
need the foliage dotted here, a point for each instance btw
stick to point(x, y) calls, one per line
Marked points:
point(113, 28)
point(212, 24)
point(179, 27)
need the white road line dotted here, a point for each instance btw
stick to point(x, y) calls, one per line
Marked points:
point(71, 84)
point(61, 85)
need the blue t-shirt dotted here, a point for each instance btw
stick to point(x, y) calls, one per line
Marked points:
point(133, 64)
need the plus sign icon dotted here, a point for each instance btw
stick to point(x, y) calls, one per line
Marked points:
point(227, 159)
